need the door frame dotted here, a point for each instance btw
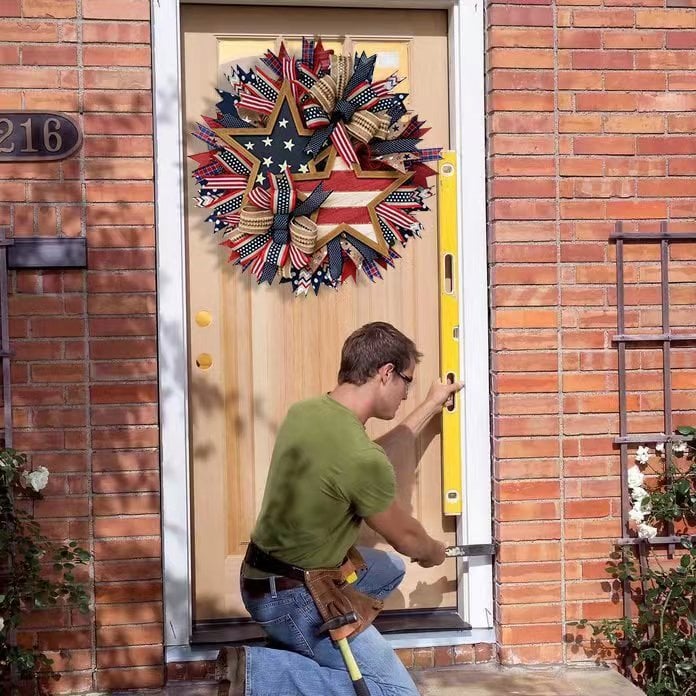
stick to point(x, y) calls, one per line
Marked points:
point(467, 135)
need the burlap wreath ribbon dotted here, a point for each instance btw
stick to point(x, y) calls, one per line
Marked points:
point(255, 221)
point(329, 92)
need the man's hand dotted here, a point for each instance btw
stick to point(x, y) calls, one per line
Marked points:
point(440, 392)
point(436, 555)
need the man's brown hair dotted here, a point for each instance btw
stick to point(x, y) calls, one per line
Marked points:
point(372, 346)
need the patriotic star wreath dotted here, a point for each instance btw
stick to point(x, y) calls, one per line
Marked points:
point(313, 170)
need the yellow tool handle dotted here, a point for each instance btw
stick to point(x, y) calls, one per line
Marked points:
point(348, 658)
point(449, 332)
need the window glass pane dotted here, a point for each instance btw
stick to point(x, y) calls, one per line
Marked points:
point(392, 57)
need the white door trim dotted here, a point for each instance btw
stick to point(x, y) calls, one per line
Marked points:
point(467, 127)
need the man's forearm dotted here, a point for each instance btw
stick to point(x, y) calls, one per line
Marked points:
point(415, 542)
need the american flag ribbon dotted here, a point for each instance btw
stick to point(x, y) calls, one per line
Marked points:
point(290, 75)
point(340, 138)
point(256, 103)
point(398, 217)
point(235, 182)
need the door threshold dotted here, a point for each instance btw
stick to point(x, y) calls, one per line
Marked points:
point(226, 632)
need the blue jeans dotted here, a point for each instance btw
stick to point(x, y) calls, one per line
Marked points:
point(312, 665)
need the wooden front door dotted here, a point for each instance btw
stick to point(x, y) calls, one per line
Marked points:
point(254, 350)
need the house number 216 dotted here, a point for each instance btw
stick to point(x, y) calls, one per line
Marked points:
point(28, 136)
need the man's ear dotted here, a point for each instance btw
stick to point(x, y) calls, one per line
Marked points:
point(385, 372)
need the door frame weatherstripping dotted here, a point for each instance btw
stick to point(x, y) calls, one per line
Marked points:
point(467, 132)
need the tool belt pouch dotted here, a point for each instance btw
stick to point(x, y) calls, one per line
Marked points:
point(355, 557)
point(335, 597)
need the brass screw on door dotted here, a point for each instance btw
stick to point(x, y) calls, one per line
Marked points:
point(204, 318)
point(204, 361)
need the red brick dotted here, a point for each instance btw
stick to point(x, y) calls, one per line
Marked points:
point(579, 123)
point(603, 18)
point(136, 393)
point(54, 9)
point(47, 328)
point(681, 39)
point(141, 504)
point(126, 549)
point(525, 145)
point(602, 60)
point(531, 654)
point(529, 572)
point(523, 210)
point(542, 633)
point(138, 78)
point(423, 658)
point(125, 9)
point(521, 511)
point(634, 124)
point(667, 102)
point(131, 613)
point(665, 60)
point(125, 437)
point(443, 656)
point(118, 100)
point(95, 55)
point(127, 657)
point(29, 32)
point(27, 77)
point(140, 124)
point(520, 16)
point(666, 19)
point(530, 614)
point(11, 8)
point(634, 80)
point(126, 482)
point(520, 38)
point(579, 38)
point(606, 102)
point(521, 58)
point(49, 55)
point(119, 326)
point(116, 32)
point(633, 39)
point(127, 526)
point(521, 101)
point(634, 210)
point(141, 591)
point(131, 678)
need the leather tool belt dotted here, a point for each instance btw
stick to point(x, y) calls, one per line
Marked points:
point(330, 588)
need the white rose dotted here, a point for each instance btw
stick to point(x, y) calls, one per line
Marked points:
point(660, 448)
point(645, 531)
point(635, 477)
point(679, 447)
point(638, 493)
point(642, 455)
point(2, 624)
point(38, 479)
point(636, 515)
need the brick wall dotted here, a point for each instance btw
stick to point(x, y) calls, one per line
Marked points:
point(591, 120)
point(84, 373)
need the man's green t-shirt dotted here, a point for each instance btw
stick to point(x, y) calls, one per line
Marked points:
point(326, 475)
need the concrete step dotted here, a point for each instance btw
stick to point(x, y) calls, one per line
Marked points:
point(493, 680)
point(472, 680)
